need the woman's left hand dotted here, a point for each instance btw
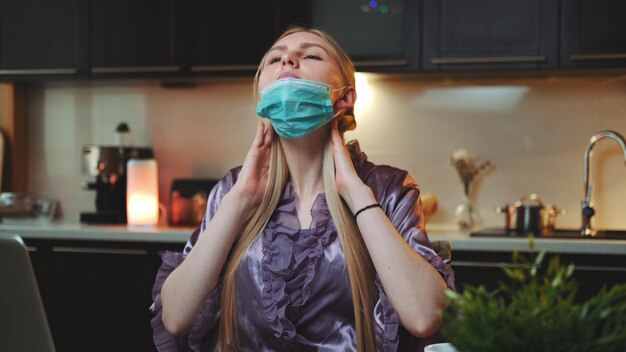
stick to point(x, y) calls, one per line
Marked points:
point(346, 177)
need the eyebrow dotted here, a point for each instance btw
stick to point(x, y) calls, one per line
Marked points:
point(302, 46)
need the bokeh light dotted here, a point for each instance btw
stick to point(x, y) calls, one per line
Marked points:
point(364, 94)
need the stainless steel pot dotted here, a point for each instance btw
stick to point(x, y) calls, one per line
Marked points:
point(529, 215)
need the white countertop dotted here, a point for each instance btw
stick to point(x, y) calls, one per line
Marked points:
point(462, 241)
point(83, 232)
point(458, 239)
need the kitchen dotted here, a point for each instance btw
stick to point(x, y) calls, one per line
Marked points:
point(531, 120)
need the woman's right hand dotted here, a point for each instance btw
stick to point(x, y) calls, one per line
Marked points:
point(252, 180)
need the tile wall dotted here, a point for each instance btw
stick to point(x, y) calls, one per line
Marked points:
point(533, 130)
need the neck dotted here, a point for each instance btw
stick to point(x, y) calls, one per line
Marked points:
point(304, 158)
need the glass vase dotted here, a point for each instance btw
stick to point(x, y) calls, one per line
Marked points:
point(466, 214)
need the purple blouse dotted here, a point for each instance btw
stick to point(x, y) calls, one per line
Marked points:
point(292, 285)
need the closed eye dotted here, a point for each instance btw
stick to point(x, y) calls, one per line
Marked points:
point(312, 57)
point(273, 60)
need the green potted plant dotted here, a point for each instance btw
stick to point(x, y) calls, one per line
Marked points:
point(536, 310)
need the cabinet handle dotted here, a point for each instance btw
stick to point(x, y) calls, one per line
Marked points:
point(486, 60)
point(599, 268)
point(42, 72)
point(223, 68)
point(95, 250)
point(381, 63)
point(137, 69)
point(462, 263)
point(484, 264)
point(597, 57)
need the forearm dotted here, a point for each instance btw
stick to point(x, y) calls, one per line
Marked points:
point(414, 288)
point(187, 286)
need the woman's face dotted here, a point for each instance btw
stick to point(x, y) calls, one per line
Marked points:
point(300, 55)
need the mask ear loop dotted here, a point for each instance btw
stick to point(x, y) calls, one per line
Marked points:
point(342, 88)
point(342, 111)
point(335, 90)
point(339, 113)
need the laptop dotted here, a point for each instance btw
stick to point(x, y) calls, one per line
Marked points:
point(23, 323)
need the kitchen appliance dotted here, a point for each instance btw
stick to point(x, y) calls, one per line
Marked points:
point(188, 201)
point(108, 165)
point(529, 215)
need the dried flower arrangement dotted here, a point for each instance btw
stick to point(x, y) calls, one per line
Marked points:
point(468, 167)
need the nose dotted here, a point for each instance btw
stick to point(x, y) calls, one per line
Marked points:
point(289, 59)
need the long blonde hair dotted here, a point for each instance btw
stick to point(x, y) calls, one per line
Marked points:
point(361, 273)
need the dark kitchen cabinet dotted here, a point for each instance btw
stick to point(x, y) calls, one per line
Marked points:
point(97, 294)
point(43, 38)
point(231, 36)
point(591, 271)
point(593, 33)
point(378, 35)
point(490, 35)
point(137, 38)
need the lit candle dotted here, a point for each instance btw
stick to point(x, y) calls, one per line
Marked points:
point(142, 192)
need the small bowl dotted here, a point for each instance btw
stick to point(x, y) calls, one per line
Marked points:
point(27, 208)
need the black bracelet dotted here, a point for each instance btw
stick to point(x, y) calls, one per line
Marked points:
point(375, 205)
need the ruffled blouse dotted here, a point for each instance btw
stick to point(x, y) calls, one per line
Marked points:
point(292, 286)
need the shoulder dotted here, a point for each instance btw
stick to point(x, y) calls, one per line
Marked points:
point(382, 179)
point(225, 183)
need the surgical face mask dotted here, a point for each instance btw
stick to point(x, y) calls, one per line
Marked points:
point(296, 107)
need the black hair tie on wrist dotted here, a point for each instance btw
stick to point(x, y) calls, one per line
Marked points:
point(375, 205)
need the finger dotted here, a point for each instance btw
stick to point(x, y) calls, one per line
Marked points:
point(334, 133)
point(258, 137)
point(269, 135)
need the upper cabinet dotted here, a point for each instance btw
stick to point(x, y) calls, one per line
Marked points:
point(379, 35)
point(376, 35)
point(490, 35)
point(232, 36)
point(43, 38)
point(593, 33)
point(136, 37)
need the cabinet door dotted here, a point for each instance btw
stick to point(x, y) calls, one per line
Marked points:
point(136, 37)
point(490, 34)
point(100, 298)
point(378, 35)
point(42, 38)
point(593, 33)
point(231, 36)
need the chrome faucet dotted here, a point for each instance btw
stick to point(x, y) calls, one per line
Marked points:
point(587, 209)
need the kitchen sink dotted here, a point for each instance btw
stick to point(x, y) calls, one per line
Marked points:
point(561, 233)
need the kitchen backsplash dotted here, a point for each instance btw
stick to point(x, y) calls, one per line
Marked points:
point(533, 130)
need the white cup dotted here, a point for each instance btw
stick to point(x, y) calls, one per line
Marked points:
point(440, 347)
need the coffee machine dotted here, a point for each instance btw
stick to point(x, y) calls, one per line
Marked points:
point(108, 165)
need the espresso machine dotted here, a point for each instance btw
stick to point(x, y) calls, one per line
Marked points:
point(107, 164)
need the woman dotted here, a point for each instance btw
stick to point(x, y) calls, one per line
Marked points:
point(307, 246)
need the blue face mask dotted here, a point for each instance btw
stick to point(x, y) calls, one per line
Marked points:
point(296, 107)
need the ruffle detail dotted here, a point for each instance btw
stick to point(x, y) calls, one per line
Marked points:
point(289, 262)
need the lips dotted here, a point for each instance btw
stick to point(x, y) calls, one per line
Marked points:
point(287, 75)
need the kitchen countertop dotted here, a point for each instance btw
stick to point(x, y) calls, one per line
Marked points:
point(459, 240)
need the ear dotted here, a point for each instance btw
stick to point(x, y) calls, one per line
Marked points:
point(347, 100)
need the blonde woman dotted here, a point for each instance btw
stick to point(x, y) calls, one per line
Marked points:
point(308, 246)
